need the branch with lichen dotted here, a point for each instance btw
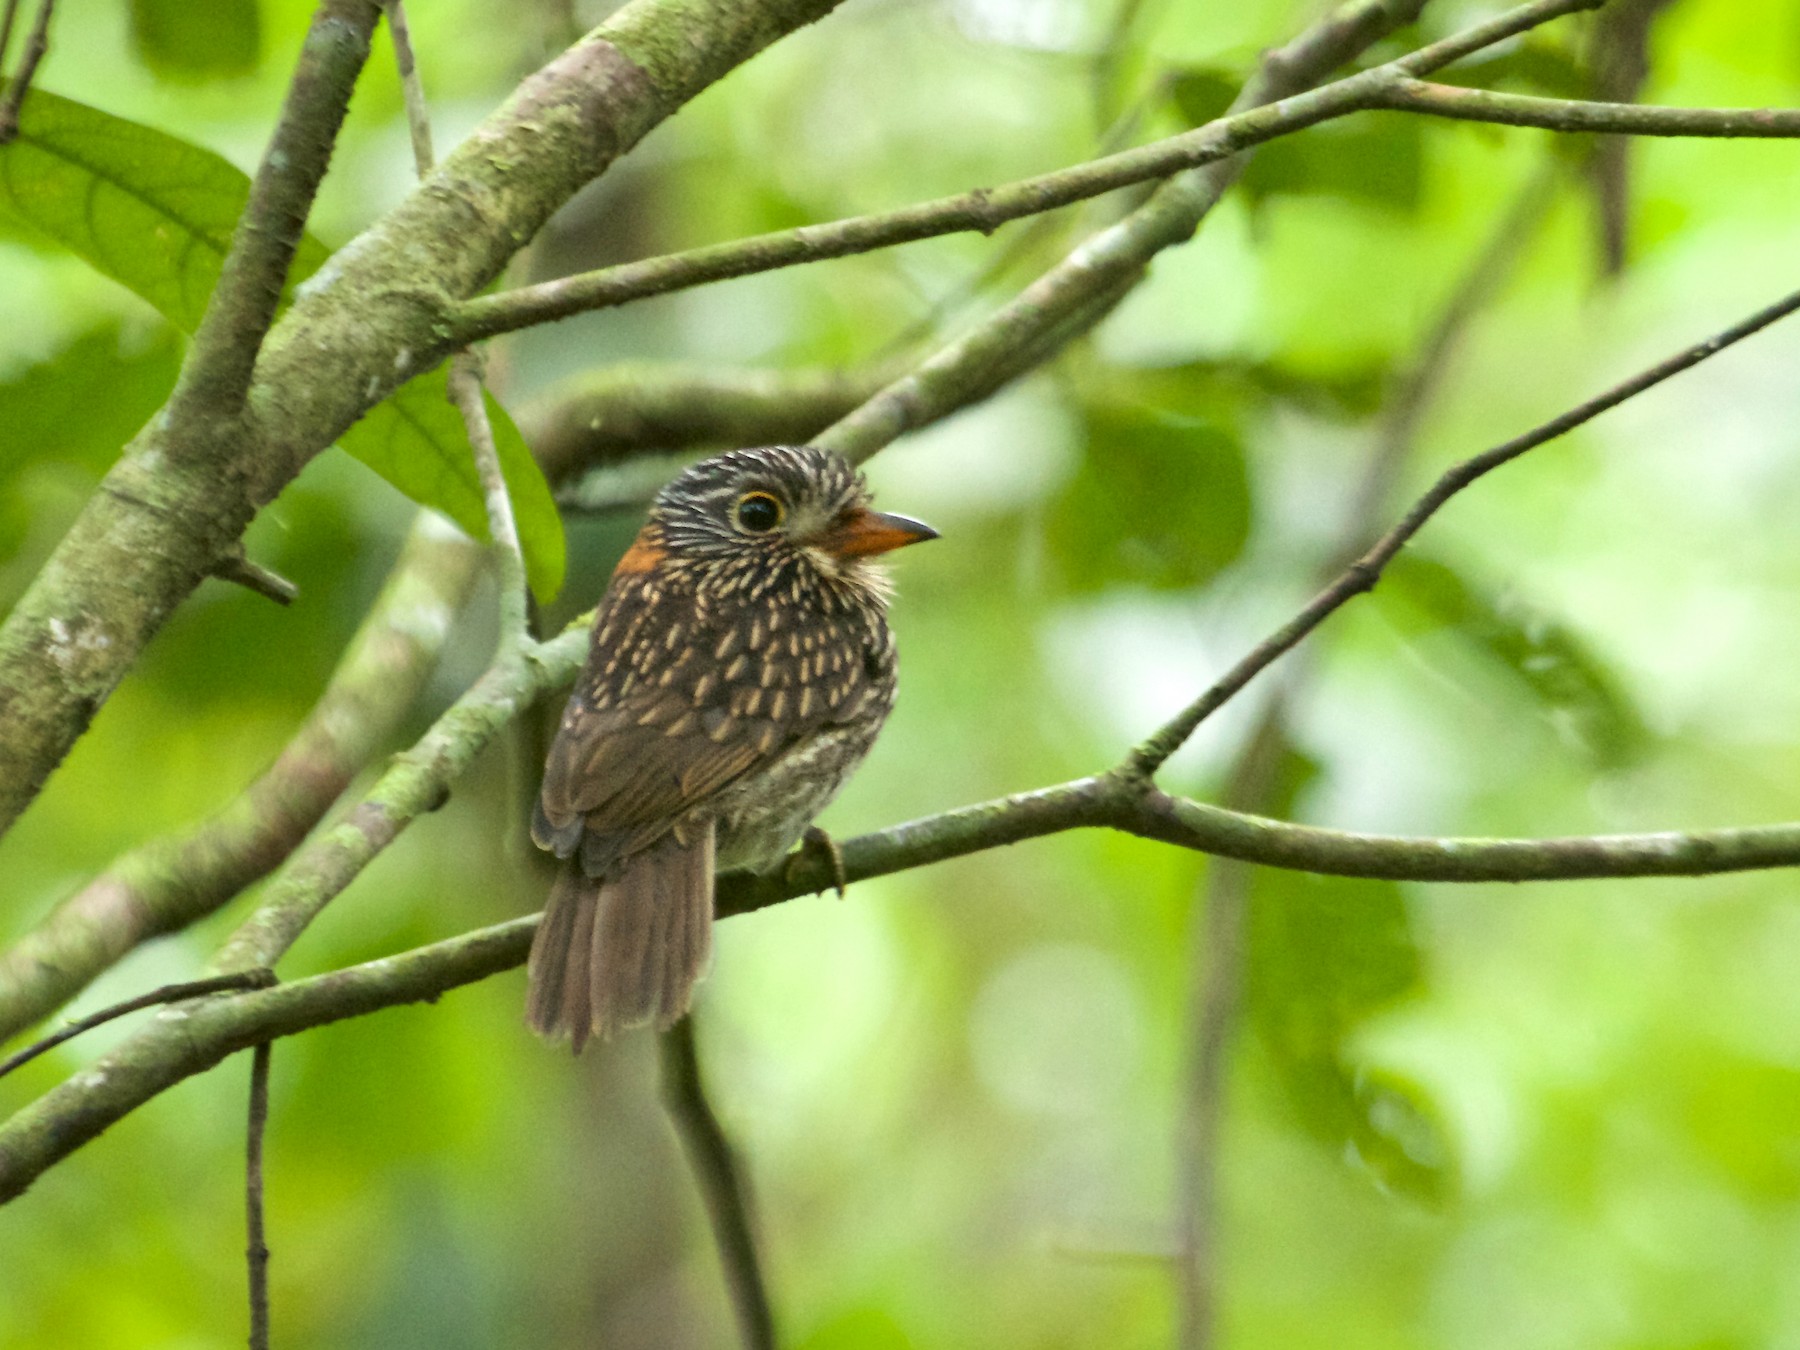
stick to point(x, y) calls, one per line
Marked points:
point(180, 496)
point(171, 882)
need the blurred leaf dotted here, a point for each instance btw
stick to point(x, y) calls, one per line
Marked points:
point(81, 404)
point(1547, 658)
point(156, 214)
point(1228, 386)
point(1203, 93)
point(1375, 160)
point(1160, 500)
point(73, 411)
point(416, 440)
point(152, 212)
point(1532, 67)
point(1323, 954)
point(197, 39)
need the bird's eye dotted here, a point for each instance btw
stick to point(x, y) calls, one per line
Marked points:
point(758, 512)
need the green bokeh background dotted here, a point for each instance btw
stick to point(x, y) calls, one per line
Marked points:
point(1526, 1117)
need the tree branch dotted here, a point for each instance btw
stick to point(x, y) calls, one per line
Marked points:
point(599, 418)
point(1361, 575)
point(171, 882)
point(215, 377)
point(37, 46)
point(1577, 115)
point(1073, 296)
point(722, 1183)
point(416, 782)
point(986, 209)
point(364, 324)
point(187, 1040)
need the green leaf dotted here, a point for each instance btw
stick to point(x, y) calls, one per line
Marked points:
point(74, 410)
point(1203, 93)
point(81, 404)
point(151, 211)
point(1547, 658)
point(416, 440)
point(1160, 500)
point(1324, 954)
point(197, 39)
point(156, 214)
point(1377, 161)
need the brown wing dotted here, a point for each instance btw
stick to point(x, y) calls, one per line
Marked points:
point(683, 694)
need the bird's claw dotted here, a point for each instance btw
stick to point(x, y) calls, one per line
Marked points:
point(815, 841)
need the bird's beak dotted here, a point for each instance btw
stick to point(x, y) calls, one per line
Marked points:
point(864, 532)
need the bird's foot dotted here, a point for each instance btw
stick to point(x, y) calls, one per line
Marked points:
point(814, 843)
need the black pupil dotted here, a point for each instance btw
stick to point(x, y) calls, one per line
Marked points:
point(758, 513)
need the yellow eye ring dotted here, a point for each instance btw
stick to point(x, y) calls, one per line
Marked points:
point(758, 512)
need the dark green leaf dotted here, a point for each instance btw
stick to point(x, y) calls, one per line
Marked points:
point(1325, 953)
point(416, 440)
point(1204, 92)
point(1546, 657)
point(153, 212)
point(80, 405)
point(197, 39)
point(156, 214)
point(1224, 387)
point(1160, 500)
point(1544, 68)
point(1376, 160)
point(74, 410)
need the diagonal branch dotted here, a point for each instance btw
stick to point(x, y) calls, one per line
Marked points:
point(215, 377)
point(37, 46)
point(986, 209)
point(362, 326)
point(169, 883)
point(1361, 575)
point(1076, 294)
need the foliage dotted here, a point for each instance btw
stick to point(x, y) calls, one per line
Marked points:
point(1525, 1117)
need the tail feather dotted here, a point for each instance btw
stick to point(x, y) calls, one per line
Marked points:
point(629, 950)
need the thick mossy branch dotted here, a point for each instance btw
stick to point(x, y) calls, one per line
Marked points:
point(174, 881)
point(182, 494)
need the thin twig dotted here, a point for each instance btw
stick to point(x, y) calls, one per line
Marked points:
point(36, 46)
point(168, 993)
point(465, 387)
point(418, 117)
point(8, 16)
point(1581, 116)
point(1219, 954)
point(1361, 575)
point(986, 209)
point(256, 1249)
point(722, 1184)
point(238, 569)
point(466, 394)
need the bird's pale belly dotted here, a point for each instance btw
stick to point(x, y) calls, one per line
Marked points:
point(761, 817)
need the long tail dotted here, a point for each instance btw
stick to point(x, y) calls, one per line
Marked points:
point(616, 954)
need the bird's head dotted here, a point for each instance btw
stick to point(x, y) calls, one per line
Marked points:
point(778, 510)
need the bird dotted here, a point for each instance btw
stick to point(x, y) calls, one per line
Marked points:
point(739, 669)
